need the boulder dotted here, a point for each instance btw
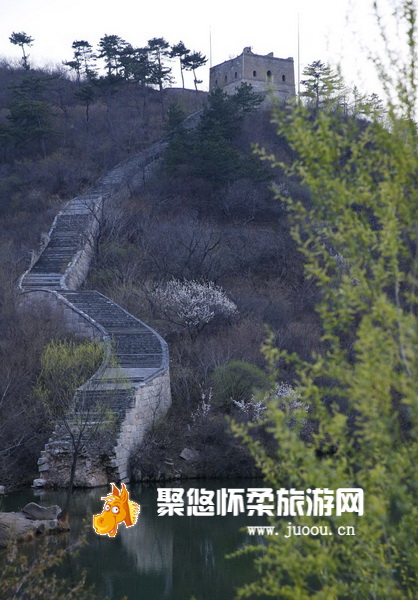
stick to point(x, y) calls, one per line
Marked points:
point(38, 483)
point(42, 513)
point(16, 527)
point(189, 454)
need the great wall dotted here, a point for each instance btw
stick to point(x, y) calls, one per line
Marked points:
point(133, 382)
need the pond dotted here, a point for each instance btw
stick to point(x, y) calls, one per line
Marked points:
point(161, 557)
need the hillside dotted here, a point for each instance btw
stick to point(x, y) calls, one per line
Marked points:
point(182, 227)
point(248, 276)
point(39, 171)
point(211, 219)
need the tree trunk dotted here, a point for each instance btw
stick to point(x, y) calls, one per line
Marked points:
point(64, 514)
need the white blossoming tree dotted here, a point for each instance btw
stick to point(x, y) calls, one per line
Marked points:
point(193, 304)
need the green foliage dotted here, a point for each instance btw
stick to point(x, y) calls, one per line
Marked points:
point(29, 118)
point(158, 49)
point(208, 151)
point(245, 99)
point(135, 65)
point(215, 159)
point(174, 120)
point(322, 85)
point(180, 51)
point(221, 115)
point(192, 61)
point(237, 381)
point(65, 366)
point(83, 62)
point(22, 39)
point(33, 578)
point(180, 141)
point(366, 105)
point(110, 48)
point(254, 169)
point(86, 94)
point(359, 237)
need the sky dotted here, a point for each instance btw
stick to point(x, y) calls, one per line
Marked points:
point(338, 32)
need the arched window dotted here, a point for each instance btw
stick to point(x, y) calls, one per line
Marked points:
point(268, 75)
point(283, 77)
point(226, 78)
point(254, 73)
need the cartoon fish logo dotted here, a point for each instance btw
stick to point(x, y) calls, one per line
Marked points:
point(117, 509)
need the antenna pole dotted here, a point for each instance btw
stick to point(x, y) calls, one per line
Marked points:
point(298, 59)
point(210, 47)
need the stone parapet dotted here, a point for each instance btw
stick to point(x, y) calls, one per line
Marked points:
point(133, 383)
point(265, 73)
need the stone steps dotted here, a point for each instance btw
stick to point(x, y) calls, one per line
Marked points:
point(67, 237)
point(42, 280)
point(134, 344)
point(138, 380)
point(85, 416)
point(115, 399)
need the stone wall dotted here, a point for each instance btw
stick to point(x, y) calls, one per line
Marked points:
point(144, 405)
point(76, 271)
point(64, 313)
point(151, 402)
point(262, 72)
point(137, 390)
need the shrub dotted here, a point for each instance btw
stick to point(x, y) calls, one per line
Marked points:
point(237, 381)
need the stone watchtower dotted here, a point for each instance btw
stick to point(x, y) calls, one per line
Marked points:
point(262, 72)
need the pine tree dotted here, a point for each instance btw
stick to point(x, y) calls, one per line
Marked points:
point(179, 140)
point(83, 61)
point(29, 115)
point(110, 49)
point(180, 51)
point(22, 39)
point(192, 62)
point(322, 85)
point(158, 49)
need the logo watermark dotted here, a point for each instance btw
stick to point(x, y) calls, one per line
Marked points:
point(317, 502)
point(117, 509)
point(300, 530)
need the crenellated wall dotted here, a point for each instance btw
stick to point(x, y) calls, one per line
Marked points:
point(264, 72)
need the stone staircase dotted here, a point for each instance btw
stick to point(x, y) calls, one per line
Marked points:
point(113, 410)
point(72, 232)
point(138, 351)
point(93, 409)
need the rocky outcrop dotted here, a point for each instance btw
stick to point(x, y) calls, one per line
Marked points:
point(31, 522)
point(43, 513)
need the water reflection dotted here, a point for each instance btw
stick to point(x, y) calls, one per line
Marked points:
point(170, 558)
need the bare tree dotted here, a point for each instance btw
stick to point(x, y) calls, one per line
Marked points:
point(81, 412)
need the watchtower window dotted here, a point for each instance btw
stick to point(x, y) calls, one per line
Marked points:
point(216, 82)
point(268, 75)
point(236, 74)
point(283, 77)
point(254, 73)
point(226, 78)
